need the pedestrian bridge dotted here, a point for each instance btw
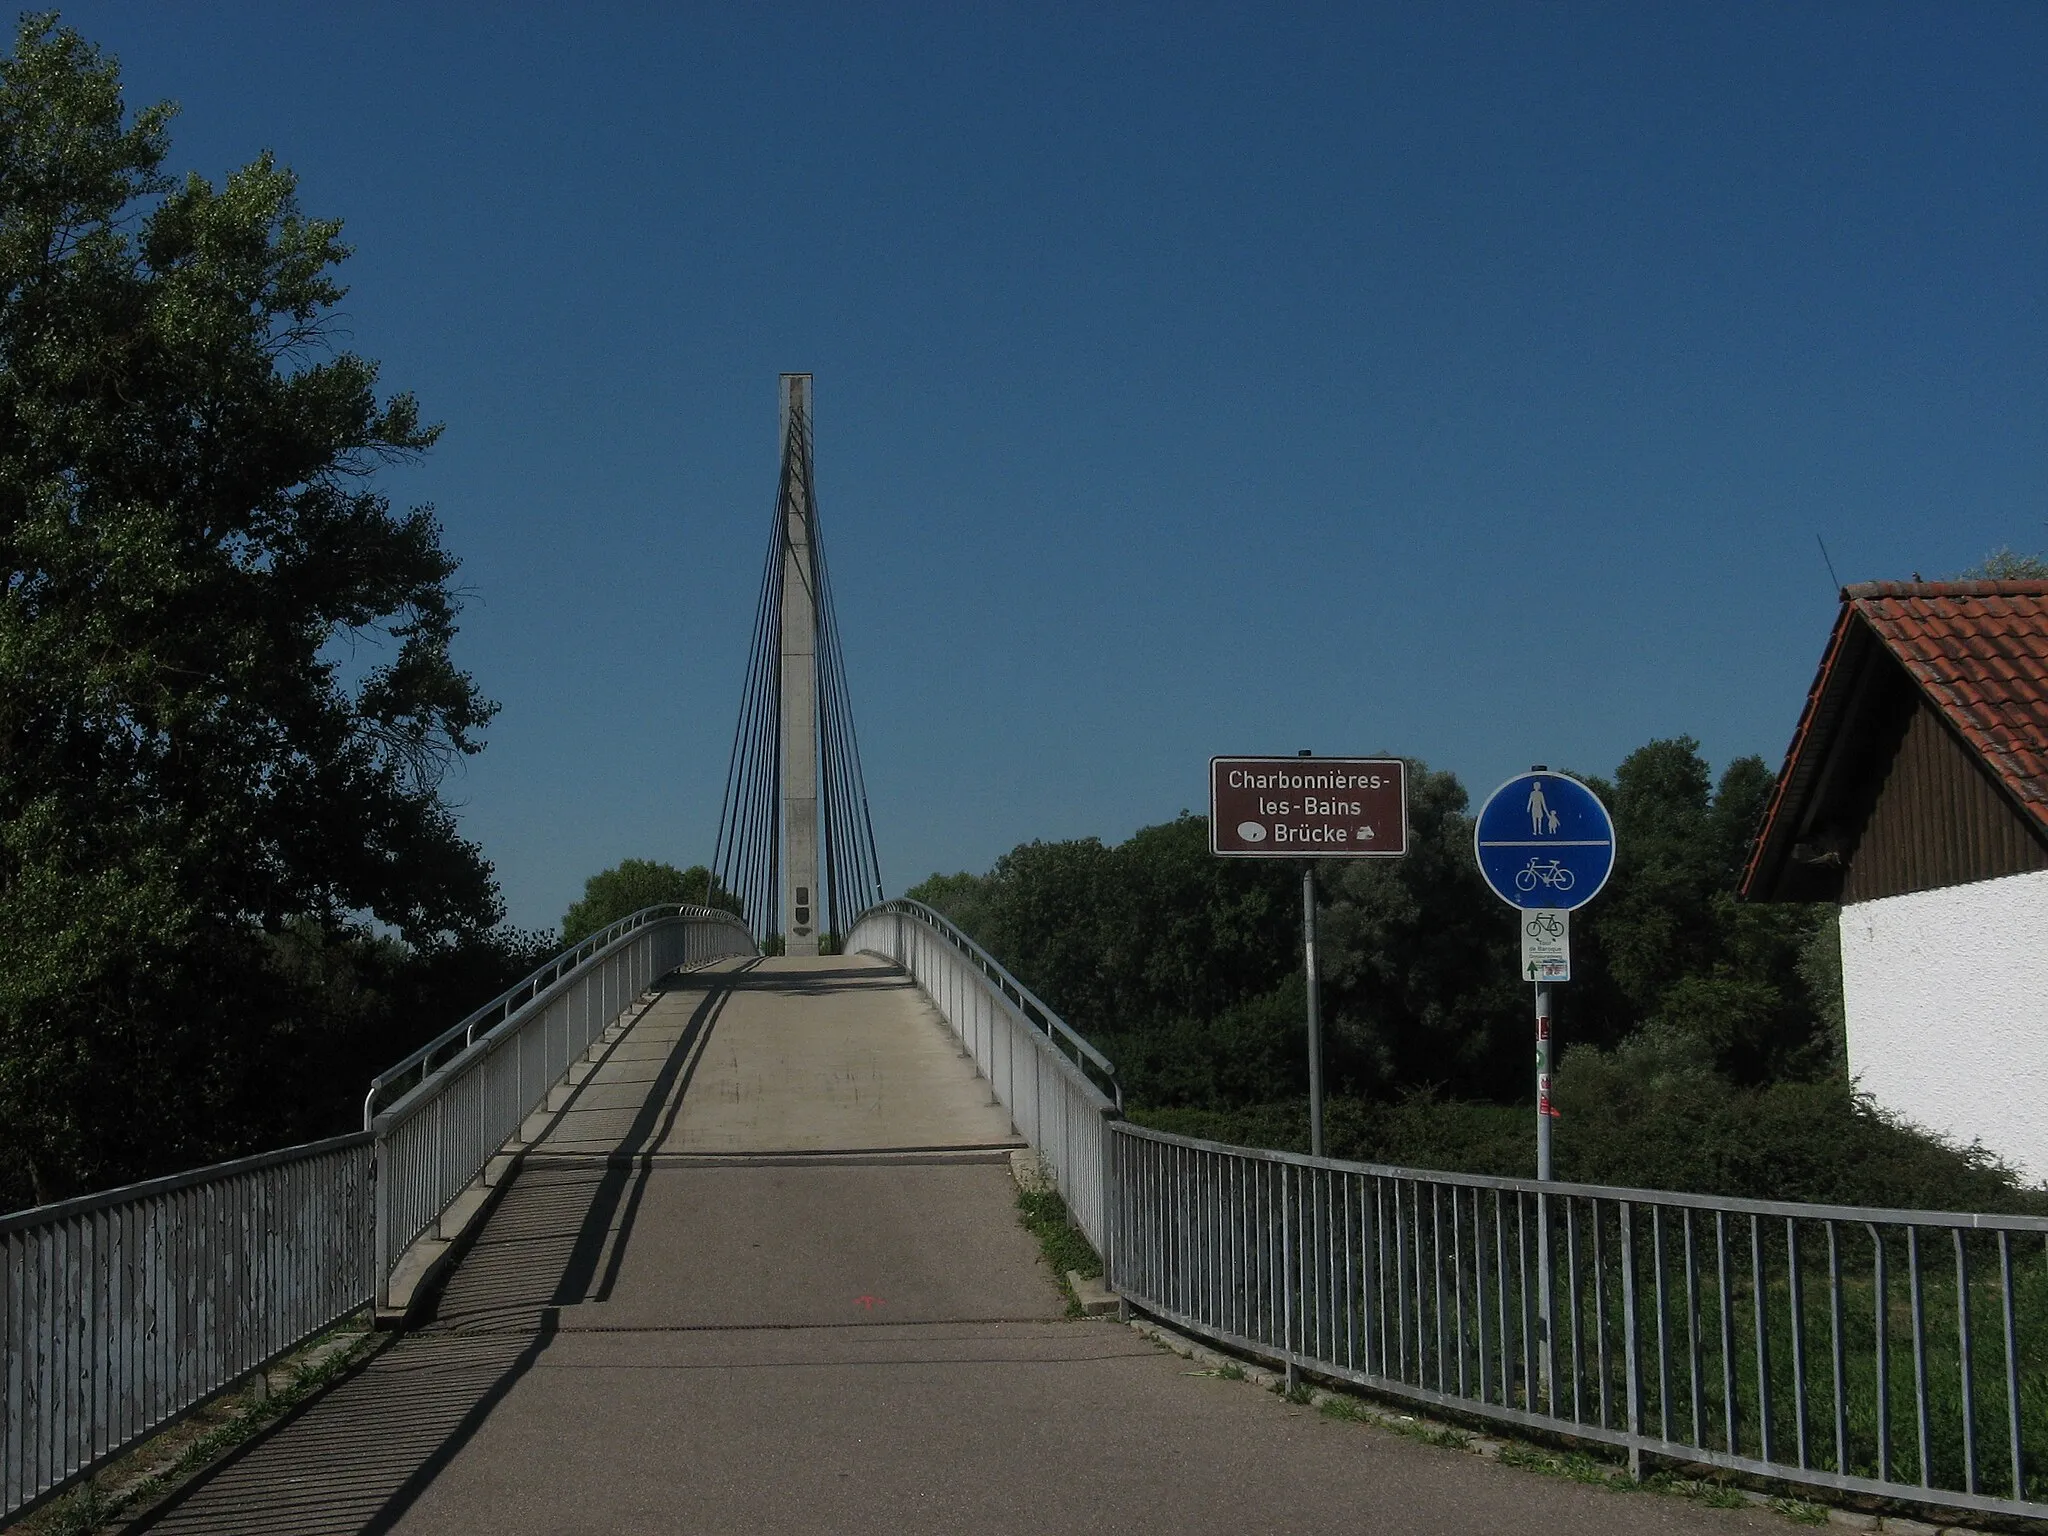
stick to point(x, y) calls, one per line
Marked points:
point(678, 1237)
point(675, 1236)
point(754, 1264)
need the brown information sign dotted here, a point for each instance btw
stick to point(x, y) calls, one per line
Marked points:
point(1308, 807)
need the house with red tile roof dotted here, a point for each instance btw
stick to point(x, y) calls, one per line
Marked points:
point(1915, 793)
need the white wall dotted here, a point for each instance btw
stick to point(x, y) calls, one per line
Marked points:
point(1947, 1000)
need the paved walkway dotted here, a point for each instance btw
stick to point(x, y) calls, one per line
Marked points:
point(764, 1274)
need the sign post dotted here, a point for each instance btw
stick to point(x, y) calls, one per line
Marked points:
point(1545, 844)
point(1309, 808)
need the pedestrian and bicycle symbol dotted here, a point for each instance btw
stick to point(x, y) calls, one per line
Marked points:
point(1544, 840)
point(1552, 874)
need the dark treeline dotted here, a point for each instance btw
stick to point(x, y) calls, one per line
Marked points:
point(1188, 967)
point(1700, 1037)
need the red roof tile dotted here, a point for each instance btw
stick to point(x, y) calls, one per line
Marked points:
point(1978, 651)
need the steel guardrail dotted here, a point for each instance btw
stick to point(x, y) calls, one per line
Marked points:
point(1034, 1008)
point(1053, 1104)
point(1895, 1354)
point(439, 1136)
point(499, 1008)
point(122, 1310)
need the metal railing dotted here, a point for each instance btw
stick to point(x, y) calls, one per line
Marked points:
point(386, 1086)
point(437, 1138)
point(1016, 1042)
point(1902, 1354)
point(121, 1310)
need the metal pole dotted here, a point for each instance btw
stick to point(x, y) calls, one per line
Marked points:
point(1315, 1012)
point(1543, 1286)
point(1542, 1079)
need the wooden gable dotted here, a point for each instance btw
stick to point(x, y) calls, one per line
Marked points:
point(1890, 786)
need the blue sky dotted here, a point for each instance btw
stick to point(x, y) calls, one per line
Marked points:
point(1466, 381)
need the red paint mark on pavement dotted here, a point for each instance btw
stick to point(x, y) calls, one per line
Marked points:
point(867, 1303)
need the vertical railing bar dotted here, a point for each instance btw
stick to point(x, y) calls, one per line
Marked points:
point(1919, 1355)
point(1601, 1382)
point(1965, 1364)
point(1796, 1299)
point(1458, 1291)
point(1479, 1282)
point(1502, 1347)
point(1838, 1349)
point(1631, 1342)
point(1524, 1319)
point(1436, 1269)
point(1881, 1339)
point(2012, 1366)
point(1760, 1311)
point(1400, 1286)
point(1574, 1303)
point(1352, 1277)
point(1727, 1309)
point(1663, 1325)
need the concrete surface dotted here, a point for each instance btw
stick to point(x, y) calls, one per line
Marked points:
point(839, 1053)
point(843, 1340)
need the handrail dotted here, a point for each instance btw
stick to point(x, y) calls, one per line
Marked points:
point(190, 1178)
point(438, 1134)
point(1734, 1205)
point(1869, 1351)
point(996, 971)
point(501, 1007)
point(123, 1309)
point(1053, 1102)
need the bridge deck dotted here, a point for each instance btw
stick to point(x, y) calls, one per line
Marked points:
point(832, 1054)
point(763, 1273)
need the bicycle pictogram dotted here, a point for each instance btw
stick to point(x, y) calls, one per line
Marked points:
point(1544, 926)
point(1543, 872)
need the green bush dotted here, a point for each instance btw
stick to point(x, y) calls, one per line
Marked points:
point(1651, 1115)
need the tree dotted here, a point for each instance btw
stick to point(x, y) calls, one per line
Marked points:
point(1420, 961)
point(1668, 944)
point(2007, 565)
point(961, 897)
point(632, 884)
point(226, 694)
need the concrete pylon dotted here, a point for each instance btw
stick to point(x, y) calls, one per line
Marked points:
point(800, 896)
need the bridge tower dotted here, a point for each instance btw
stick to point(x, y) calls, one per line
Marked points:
point(799, 675)
point(796, 844)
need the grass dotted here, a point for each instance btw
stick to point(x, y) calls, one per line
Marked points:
point(1044, 1215)
point(195, 1443)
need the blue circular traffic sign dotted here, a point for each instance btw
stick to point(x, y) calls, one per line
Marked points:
point(1544, 840)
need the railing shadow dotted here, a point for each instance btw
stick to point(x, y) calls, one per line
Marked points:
point(354, 1460)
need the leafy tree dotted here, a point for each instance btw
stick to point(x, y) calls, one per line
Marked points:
point(632, 884)
point(1420, 961)
point(2007, 565)
point(1668, 943)
point(226, 695)
point(960, 897)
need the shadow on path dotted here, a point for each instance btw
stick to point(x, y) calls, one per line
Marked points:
point(359, 1455)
